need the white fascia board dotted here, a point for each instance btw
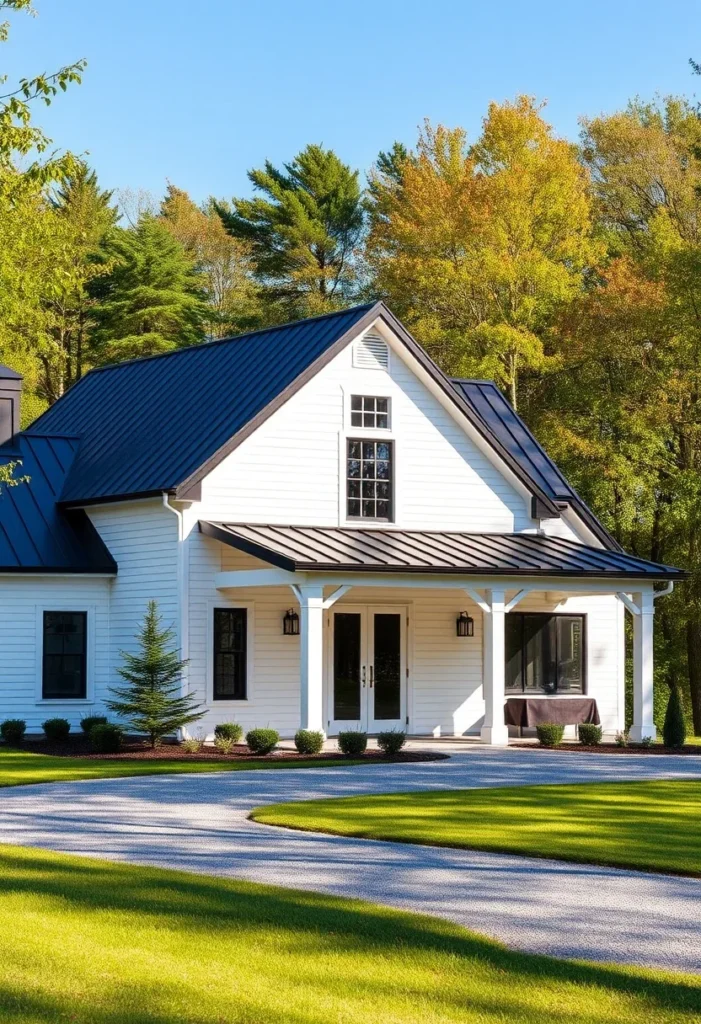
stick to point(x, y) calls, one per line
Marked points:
point(480, 442)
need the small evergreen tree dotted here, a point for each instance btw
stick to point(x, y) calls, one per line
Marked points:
point(151, 701)
point(674, 730)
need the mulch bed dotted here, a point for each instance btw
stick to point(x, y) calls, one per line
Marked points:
point(137, 750)
point(611, 748)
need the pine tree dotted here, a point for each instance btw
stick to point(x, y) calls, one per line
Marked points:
point(151, 701)
point(674, 729)
point(304, 231)
point(151, 299)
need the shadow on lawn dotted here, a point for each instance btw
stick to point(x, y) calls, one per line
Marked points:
point(313, 923)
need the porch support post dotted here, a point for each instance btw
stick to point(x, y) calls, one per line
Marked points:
point(643, 724)
point(311, 607)
point(494, 731)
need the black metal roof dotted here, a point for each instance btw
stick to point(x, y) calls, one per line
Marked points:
point(149, 425)
point(35, 534)
point(310, 548)
point(504, 423)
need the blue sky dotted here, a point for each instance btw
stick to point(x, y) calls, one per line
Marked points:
point(199, 93)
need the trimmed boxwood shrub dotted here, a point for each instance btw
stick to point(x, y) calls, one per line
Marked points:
point(229, 731)
point(590, 734)
point(262, 741)
point(674, 729)
point(549, 734)
point(12, 731)
point(391, 742)
point(309, 742)
point(86, 724)
point(352, 743)
point(56, 728)
point(106, 738)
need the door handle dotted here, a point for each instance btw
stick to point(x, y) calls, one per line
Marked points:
point(363, 675)
point(372, 677)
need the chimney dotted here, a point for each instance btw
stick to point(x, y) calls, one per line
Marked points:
point(10, 397)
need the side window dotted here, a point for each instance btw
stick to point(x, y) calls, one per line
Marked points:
point(64, 656)
point(230, 653)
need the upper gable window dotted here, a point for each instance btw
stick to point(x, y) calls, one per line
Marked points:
point(369, 411)
point(371, 353)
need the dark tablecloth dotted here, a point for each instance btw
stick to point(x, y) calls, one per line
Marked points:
point(530, 711)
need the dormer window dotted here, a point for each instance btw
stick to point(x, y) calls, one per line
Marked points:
point(370, 412)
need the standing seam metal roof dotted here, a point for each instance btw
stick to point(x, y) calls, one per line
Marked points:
point(148, 424)
point(35, 534)
point(305, 548)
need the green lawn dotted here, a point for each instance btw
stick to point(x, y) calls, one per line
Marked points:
point(654, 826)
point(21, 767)
point(91, 942)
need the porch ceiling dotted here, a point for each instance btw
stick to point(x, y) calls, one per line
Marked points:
point(310, 548)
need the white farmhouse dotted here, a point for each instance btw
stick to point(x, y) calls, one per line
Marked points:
point(342, 536)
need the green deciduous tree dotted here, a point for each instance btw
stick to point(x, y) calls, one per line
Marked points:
point(151, 701)
point(304, 231)
point(151, 298)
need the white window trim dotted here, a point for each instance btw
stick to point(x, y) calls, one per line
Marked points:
point(369, 435)
point(224, 602)
point(390, 434)
point(90, 660)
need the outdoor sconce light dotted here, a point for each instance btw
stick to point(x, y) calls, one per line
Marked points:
point(465, 625)
point(290, 623)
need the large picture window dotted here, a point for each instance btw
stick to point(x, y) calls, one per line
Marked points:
point(544, 653)
point(230, 653)
point(369, 480)
point(64, 656)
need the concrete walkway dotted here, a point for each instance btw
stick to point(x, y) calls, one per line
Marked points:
point(199, 823)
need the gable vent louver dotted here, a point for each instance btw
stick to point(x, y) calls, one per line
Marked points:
point(371, 353)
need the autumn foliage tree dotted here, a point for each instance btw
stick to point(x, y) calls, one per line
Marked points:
point(476, 246)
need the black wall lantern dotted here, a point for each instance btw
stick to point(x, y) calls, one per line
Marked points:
point(290, 623)
point(465, 625)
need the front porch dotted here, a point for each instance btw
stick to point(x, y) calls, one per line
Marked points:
point(380, 649)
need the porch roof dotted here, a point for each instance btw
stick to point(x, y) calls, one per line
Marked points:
point(310, 548)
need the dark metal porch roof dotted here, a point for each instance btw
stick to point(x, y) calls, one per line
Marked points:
point(315, 548)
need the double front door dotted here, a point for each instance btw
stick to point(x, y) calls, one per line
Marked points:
point(367, 669)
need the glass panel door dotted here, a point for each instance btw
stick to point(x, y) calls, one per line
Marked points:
point(387, 670)
point(348, 671)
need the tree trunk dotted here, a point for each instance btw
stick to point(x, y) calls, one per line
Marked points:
point(693, 649)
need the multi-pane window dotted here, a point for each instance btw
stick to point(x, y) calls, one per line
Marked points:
point(369, 479)
point(369, 411)
point(230, 644)
point(544, 653)
point(64, 659)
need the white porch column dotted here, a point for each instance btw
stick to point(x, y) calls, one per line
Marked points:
point(494, 731)
point(643, 724)
point(311, 606)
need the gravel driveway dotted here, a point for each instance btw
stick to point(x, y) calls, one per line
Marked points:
point(199, 823)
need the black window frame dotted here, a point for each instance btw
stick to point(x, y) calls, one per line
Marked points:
point(531, 691)
point(365, 413)
point(241, 655)
point(48, 693)
point(357, 504)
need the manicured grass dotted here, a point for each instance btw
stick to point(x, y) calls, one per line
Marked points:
point(22, 767)
point(92, 942)
point(654, 826)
